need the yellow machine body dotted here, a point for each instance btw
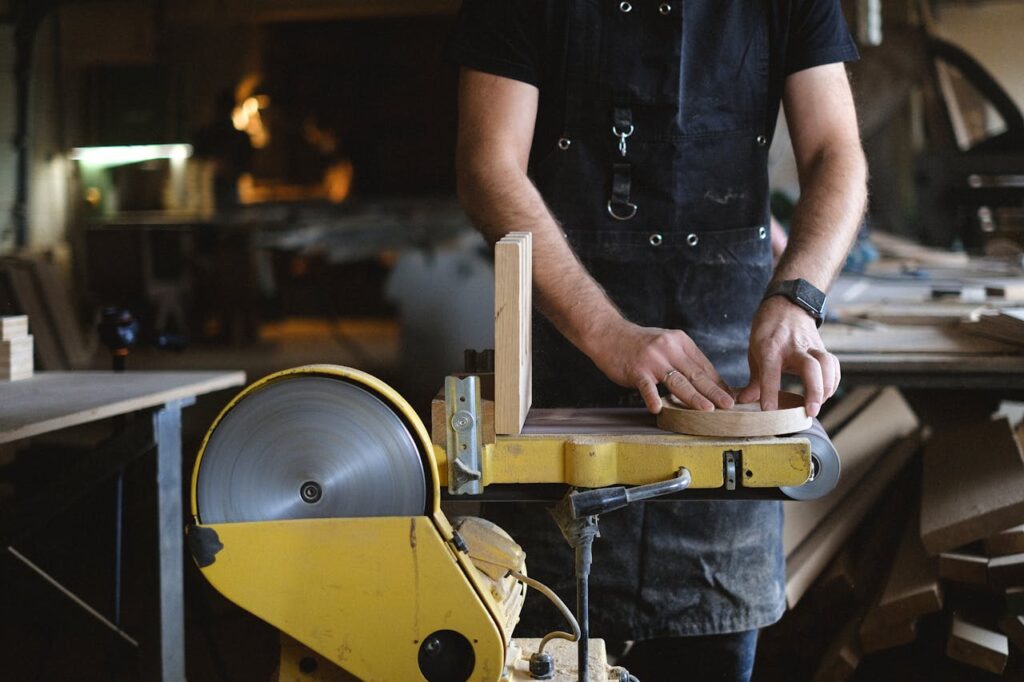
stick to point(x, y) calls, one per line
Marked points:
point(363, 593)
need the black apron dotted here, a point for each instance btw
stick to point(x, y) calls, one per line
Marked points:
point(659, 180)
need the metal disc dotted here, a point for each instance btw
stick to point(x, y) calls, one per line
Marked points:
point(310, 447)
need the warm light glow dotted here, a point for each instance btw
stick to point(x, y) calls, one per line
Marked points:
point(246, 117)
point(116, 156)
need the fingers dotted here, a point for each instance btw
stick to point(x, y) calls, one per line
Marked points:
point(682, 388)
point(649, 392)
point(811, 372)
point(769, 378)
point(829, 372)
point(704, 377)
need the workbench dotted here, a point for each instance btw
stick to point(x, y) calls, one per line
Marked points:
point(51, 401)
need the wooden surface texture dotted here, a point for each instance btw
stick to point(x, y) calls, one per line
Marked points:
point(513, 306)
point(742, 421)
point(55, 400)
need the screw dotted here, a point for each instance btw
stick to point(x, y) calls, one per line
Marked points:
point(462, 421)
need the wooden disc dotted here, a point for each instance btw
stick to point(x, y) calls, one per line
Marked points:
point(742, 421)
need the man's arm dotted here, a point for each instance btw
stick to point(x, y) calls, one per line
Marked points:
point(496, 121)
point(833, 183)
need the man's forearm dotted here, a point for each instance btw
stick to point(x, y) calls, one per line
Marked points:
point(499, 198)
point(827, 217)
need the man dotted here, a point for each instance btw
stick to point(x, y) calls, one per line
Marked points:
point(631, 138)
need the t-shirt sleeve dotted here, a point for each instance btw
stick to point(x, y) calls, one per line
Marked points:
point(818, 35)
point(501, 37)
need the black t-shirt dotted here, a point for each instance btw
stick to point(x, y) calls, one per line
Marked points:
point(510, 38)
point(525, 40)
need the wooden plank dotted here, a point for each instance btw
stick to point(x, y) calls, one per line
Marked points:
point(972, 487)
point(29, 301)
point(61, 312)
point(842, 656)
point(16, 361)
point(1014, 600)
point(13, 326)
point(893, 339)
point(848, 407)
point(977, 646)
point(966, 569)
point(513, 360)
point(56, 400)
point(928, 313)
point(1009, 541)
point(1006, 571)
point(860, 443)
point(911, 588)
point(742, 421)
point(876, 636)
point(811, 557)
point(1013, 627)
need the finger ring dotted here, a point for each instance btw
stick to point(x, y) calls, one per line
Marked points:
point(668, 375)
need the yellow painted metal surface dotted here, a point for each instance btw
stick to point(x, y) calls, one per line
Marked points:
point(596, 461)
point(363, 593)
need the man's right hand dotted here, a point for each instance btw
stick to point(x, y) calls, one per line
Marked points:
point(643, 357)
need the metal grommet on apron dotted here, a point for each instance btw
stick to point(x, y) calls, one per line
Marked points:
point(762, 140)
point(762, 232)
point(692, 239)
point(564, 143)
point(655, 239)
point(665, 8)
point(625, 7)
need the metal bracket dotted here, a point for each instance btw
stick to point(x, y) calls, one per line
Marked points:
point(464, 417)
point(731, 461)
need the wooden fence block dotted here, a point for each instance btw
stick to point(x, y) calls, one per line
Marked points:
point(1006, 571)
point(967, 569)
point(972, 487)
point(1009, 541)
point(13, 327)
point(513, 307)
point(977, 646)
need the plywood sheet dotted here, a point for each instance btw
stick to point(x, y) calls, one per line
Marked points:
point(972, 486)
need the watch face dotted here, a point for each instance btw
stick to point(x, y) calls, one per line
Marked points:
point(809, 296)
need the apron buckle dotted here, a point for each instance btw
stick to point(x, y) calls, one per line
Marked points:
point(630, 210)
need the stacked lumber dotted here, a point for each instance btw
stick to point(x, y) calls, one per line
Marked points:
point(1006, 325)
point(16, 347)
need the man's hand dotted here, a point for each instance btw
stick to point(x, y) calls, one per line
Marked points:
point(784, 338)
point(643, 357)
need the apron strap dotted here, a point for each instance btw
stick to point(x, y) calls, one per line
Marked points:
point(619, 206)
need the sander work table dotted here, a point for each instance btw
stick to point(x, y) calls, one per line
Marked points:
point(51, 401)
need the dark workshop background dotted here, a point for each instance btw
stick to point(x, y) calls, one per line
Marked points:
point(268, 183)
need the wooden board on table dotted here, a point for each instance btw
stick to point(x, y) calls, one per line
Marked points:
point(863, 440)
point(894, 339)
point(61, 311)
point(1013, 627)
point(806, 562)
point(16, 358)
point(935, 314)
point(1006, 325)
point(1006, 571)
point(912, 587)
point(847, 408)
point(977, 646)
point(972, 485)
point(50, 401)
point(513, 306)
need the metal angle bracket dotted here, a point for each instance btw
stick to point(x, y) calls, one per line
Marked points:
point(464, 417)
point(731, 462)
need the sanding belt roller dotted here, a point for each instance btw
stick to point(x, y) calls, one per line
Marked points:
point(316, 506)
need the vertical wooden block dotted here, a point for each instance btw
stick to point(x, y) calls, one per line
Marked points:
point(16, 361)
point(977, 646)
point(1009, 541)
point(513, 307)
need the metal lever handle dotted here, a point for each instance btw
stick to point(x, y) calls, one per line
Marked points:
point(602, 500)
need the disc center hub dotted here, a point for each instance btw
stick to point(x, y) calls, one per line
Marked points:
point(310, 492)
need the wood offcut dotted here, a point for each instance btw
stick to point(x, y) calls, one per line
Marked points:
point(742, 421)
point(513, 357)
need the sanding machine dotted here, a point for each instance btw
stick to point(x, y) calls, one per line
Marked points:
point(316, 506)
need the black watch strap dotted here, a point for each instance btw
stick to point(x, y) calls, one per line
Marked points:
point(801, 293)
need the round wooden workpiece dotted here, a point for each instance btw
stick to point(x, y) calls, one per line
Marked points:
point(742, 421)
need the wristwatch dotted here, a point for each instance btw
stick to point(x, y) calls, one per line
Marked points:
point(802, 293)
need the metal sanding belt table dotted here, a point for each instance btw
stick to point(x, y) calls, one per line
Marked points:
point(51, 401)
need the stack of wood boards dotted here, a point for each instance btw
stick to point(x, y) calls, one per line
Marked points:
point(960, 563)
point(15, 348)
point(34, 287)
point(875, 436)
point(1006, 325)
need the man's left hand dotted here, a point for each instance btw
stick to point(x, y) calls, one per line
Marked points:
point(785, 339)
